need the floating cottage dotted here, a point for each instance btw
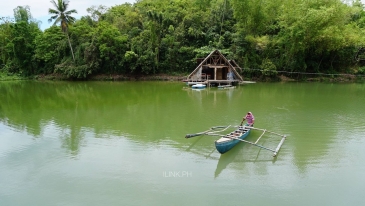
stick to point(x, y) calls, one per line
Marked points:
point(215, 69)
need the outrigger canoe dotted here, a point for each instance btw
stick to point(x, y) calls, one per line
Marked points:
point(228, 141)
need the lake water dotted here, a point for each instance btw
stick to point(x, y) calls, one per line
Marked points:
point(122, 143)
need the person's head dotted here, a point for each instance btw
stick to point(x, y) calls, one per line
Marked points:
point(249, 113)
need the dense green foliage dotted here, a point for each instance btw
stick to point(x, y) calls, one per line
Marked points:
point(160, 36)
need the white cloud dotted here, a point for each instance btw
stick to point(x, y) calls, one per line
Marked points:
point(39, 8)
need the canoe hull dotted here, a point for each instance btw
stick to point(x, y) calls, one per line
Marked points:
point(224, 144)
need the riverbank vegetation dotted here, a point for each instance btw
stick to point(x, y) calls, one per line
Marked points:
point(268, 39)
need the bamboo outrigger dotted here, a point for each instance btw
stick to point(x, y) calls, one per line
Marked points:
point(280, 143)
point(228, 141)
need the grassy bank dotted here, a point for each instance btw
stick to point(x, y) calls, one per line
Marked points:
point(5, 76)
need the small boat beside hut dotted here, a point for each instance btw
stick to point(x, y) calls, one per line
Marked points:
point(228, 86)
point(199, 86)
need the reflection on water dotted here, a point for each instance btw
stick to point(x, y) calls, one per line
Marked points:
point(109, 142)
point(227, 158)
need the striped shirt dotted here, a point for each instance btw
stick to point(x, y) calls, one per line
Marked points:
point(249, 118)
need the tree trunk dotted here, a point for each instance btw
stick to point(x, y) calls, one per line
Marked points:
point(69, 43)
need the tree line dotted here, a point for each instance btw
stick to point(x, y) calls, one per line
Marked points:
point(160, 36)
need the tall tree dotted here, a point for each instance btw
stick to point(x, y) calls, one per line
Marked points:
point(19, 42)
point(62, 15)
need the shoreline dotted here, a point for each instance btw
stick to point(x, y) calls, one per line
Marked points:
point(349, 78)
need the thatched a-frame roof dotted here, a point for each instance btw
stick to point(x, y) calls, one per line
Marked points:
point(216, 68)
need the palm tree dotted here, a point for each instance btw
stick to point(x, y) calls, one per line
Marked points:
point(61, 15)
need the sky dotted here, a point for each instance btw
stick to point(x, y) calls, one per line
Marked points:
point(39, 8)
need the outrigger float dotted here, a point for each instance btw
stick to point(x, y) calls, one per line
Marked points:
point(228, 141)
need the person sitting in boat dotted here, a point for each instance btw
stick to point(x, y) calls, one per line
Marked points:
point(250, 119)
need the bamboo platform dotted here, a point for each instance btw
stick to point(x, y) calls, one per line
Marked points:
point(209, 82)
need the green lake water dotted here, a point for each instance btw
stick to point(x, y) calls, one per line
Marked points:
point(122, 143)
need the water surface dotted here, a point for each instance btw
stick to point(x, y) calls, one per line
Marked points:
point(122, 143)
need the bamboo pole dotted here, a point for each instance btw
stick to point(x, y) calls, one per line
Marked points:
point(279, 146)
point(266, 131)
point(208, 131)
point(260, 136)
point(196, 134)
point(225, 128)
